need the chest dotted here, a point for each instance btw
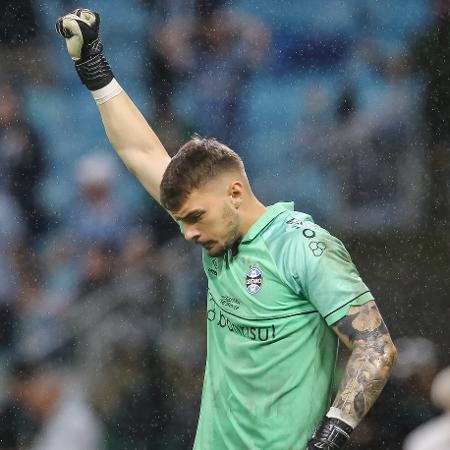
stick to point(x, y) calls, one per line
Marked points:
point(249, 286)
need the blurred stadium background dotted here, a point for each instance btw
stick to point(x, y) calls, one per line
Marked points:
point(341, 106)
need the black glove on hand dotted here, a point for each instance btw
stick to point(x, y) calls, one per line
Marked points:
point(80, 29)
point(330, 434)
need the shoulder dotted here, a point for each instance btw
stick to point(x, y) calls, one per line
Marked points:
point(295, 241)
point(287, 224)
point(295, 229)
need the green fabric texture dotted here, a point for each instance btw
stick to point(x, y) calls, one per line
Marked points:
point(270, 349)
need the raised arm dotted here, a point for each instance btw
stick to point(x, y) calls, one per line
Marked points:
point(135, 142)
point(127, 130)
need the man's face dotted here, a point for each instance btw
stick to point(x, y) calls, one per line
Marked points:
point(210, 218)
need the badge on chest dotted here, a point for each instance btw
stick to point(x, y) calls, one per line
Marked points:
point(254, 280)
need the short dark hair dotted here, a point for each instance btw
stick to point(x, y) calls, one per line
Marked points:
point(196, 162)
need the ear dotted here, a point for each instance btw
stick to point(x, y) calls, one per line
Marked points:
point(236, 192)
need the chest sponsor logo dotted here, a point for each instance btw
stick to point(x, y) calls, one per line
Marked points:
point(260, 334)
point(253, 280)
point(295, 223)
point(221, 320)
point(229, 302)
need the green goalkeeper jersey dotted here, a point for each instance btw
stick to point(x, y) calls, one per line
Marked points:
point(270, 349)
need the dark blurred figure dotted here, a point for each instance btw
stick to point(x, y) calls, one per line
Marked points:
point(430, 57)
point(17, 427)
point(99, 268)
point(132, 396)
point(435, 434)
point(164, 9)
point(143, 263)
point(12, 241)
point(17, 23)
point(20, 48)
point(9, 430)
point(22, 163)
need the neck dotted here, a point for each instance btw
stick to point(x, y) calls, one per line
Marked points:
point(250, 214)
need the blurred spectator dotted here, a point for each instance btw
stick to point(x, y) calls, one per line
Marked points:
point(100, 218)
point(12, 236)
point(165, 9)
point(20, 48)
point(215, 52)
point(9, 429)
point(429, 56)
point(435, 434)
point(17, 22)
point(382, 130)
point(142, 261)
point(21, 161)
point(418, 365)
point(58, 406)
point(61, 271)
point(371, 149)
point(133, 397)
point(315, 139)
point(99, 267)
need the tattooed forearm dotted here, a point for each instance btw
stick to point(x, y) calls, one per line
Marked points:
point(370, 364)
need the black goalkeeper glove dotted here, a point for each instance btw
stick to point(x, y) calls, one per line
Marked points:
point(330, 434)
point(80, 29)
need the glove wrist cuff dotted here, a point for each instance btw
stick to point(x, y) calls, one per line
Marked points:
point(107, 93)
point(95, 73)
point(337, 414)
point(332, 433)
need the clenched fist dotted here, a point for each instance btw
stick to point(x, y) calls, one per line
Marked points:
point(80, 30)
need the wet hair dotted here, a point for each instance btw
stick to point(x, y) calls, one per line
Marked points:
point(197, 162)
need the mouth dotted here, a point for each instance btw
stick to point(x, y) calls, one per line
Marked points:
point(207, 244)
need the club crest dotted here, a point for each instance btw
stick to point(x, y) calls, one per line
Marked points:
point(253, 280)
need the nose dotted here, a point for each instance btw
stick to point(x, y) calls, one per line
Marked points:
point(191, 233)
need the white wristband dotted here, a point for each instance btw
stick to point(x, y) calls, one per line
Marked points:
point(337, 414)
point(107, 92)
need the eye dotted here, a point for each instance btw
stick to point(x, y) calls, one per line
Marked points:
point(194, 218)
point(198, 217)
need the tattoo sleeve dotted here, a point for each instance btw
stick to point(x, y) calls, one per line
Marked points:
point(370, 363)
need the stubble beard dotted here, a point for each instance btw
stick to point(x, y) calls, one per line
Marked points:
point(233, 236)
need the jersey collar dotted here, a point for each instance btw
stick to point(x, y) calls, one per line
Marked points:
point(270, 214)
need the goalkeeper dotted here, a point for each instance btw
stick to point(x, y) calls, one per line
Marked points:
point(281, 289)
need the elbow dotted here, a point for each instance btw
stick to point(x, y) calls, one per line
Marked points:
point(394, 354)
point(389, 358)
point(383, 356)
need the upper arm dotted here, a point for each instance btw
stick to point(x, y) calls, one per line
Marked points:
point(149, 170)
point(319, 267)
point(135, 142)
point(364, 326)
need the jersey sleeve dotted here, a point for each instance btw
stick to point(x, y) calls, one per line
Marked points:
point(319, 267)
